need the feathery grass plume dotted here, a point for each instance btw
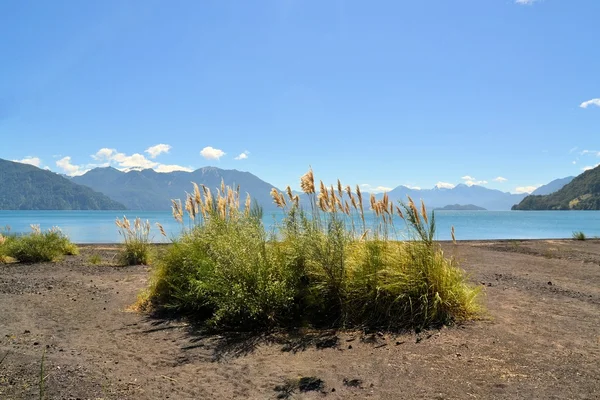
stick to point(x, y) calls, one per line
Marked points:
point(2, 239)
point(247, 205)
point(35, 229)
point(385, 200)
point(222, 186)
point(277, 198)
point(346, 207)
point(190, 207)
point(452, 234)
point(296, 200)
point(399, 212)
point(340, 190)
point(424, 211)
point(336, 201)
point(161, 229)
point(197, 194)
point(359, 195)
point(282, 199)
point(176, 209)
point(208, 200)
point(361, 209)
point(353, 201)
point(288, 189)
point(349, 191)
point(323, 189)
point(237, 198)
point(307, 182)
point(222, 207)
point(412, 206)
point(323, 203)
point(373, 202)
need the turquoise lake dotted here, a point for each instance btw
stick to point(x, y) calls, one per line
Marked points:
point(99, 226)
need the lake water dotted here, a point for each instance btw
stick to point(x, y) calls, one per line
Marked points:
point(99, 226)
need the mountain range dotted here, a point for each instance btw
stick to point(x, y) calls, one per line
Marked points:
point(151, 190)
point(490, 199)
point(25, 187)
point(581, 193)
point(28, 187)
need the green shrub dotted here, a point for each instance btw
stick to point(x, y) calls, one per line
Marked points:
point(579, 235)
point(322, 268)
point(37, 246)
point(95, 259)
point(136, 241)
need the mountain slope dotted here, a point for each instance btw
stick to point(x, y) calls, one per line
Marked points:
point(582, 193)
point(490, 199)
point(25, 187)
point(553, 186)
point(151, 190)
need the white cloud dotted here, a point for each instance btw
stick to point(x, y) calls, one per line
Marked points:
point(126, 162)
point(573, 149)
point(104, 154)
point(525, 2)
point(154, 151)
point(35, 161)
point(589, 167)
point(473, 183)
point(135, 160)
point(70, 169)
point(444, 185)
point(500, 179)
point(526, 189)
point(413, 187)
point(470, 181)
point(592, 102)
point(375, 189)
point(210, 153)
point(592, 152)
point(243, 155)
point(171, 168)
point(574, 162)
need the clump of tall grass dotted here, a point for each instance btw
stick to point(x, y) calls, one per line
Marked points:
point(324, 266)
point(579, 235)
point(37, 246)
point(136, 241)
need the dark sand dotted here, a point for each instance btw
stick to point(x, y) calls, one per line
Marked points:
point(541, 339)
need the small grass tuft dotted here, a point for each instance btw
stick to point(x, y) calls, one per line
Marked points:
point(579, 235)
point(136, 241)
point(95, 259)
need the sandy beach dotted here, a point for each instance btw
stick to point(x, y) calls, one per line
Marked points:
point(69, 324)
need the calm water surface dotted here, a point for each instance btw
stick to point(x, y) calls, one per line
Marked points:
point(99, 226)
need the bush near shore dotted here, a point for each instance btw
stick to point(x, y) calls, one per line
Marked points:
point(37, 246)
point(324, 267)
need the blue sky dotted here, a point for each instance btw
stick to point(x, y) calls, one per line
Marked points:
point(380, 93)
